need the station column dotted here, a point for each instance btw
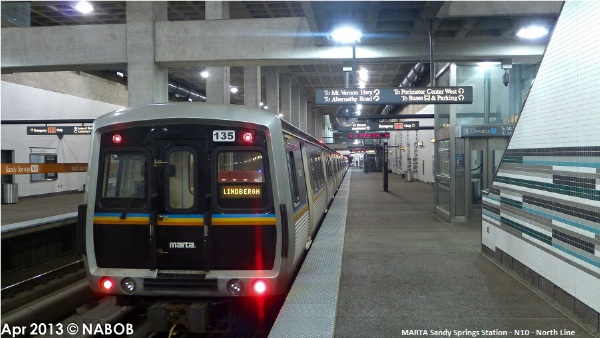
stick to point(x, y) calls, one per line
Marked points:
point(217, 83)
point(273, 89)
point(295, 106)
point(285, 85)
point(252, 87)
point(146, 81)
point(303, 113)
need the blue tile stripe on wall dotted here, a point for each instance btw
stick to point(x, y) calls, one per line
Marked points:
point(511, 202)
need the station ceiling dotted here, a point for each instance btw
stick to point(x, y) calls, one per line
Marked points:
point(455, 23)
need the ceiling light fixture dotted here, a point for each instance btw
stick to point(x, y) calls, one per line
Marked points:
point(84, 7)
point(346, 34)
point(532, 32)
point(363, 74)
point(204, 74)
point(234, 90)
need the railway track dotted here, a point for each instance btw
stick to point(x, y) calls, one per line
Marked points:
point(59, 303)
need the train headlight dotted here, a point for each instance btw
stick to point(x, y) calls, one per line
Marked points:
point(248, 137)
point(128, 285)
point(106, 284)
point(260, 287)
point(117, 138)
point(235, 287)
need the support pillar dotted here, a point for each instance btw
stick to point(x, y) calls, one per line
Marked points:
point(252, 87)
point(318, 118)
point(295, 111)
point(310, 119)
point(303, 114)
point(146, 81)
point(218, 81)
point(273, 89)
point(285, 90)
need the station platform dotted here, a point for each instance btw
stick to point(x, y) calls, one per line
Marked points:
point(383, 265)
point(38, 207)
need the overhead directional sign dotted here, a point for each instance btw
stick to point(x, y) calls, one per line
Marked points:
point(68, 130)
point(410, 95)
point(383, 126)
point(369, 135)
point(501, 130)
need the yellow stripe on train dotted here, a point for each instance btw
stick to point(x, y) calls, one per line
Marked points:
point(117, 220)
point(244, 221)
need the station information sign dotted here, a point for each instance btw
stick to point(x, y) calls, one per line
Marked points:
point(397, 96)
point(500, 130)
point(369, 135)
point(381, 126)
point(65, 130)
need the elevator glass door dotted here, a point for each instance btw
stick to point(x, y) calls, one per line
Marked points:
point(482, 161)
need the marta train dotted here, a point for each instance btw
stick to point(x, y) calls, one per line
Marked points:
point(190, 206)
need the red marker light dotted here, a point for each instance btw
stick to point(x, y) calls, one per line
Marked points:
point(117, 138)
point(106, 284)
point(259, 287)
point(247, 137)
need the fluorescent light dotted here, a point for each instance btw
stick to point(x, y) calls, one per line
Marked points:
point(346, 34)
point(204, 74)
point(234, 90)
point(483, 66)
point(120, 74)
point(84, 7)
point(532, 32)
point(361, 84)
point(363, 74)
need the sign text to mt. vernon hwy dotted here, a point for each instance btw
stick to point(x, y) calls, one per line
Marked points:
point(410, 95)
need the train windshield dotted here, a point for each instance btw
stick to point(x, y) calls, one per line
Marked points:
point(241, 180)
point(124, 179)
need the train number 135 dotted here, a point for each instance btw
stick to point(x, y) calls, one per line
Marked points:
point(223, 135)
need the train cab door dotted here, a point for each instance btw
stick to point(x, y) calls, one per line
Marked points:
point(179, 238)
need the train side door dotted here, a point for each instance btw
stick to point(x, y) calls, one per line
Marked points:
point(178, 208)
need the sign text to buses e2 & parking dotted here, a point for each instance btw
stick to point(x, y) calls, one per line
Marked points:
point(411, 95)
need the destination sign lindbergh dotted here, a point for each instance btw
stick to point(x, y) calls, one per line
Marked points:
point(410, 95)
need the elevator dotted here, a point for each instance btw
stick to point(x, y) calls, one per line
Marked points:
point(471, 138)
point(482, 159)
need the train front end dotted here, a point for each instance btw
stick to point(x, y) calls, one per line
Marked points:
point(181, 213)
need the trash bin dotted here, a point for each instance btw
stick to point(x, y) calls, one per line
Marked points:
point(10, 193)
point(409, 176)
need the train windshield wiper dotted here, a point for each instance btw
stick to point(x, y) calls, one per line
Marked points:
point(132, 199)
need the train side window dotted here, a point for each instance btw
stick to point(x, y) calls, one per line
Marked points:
point(314, 170)
point(329, 171)
point(293, 179)
point(320, 170)
point(123, 177)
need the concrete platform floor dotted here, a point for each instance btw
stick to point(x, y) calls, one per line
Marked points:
point(30, 208)
point(405, 271)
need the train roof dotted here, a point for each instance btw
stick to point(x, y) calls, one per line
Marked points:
point(187, 111)
point(174, 112)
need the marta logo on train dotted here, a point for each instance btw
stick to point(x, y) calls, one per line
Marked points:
point(182, 245)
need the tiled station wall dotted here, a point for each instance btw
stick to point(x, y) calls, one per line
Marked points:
point(543, 211)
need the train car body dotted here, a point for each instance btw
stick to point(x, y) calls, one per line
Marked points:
point(192, 203)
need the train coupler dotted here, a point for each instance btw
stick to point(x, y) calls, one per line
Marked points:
point(165, 315)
